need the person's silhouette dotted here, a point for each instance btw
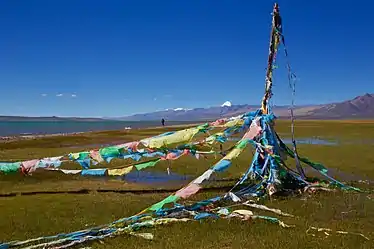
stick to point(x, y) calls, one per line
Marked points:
point(163, 122)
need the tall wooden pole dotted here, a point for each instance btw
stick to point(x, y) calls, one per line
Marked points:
point(276, 27)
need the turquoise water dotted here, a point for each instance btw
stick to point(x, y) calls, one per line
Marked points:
point(10, 128)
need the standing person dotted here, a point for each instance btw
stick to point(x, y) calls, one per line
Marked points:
point(163, 122)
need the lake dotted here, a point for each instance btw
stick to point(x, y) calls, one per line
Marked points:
point(12, 128)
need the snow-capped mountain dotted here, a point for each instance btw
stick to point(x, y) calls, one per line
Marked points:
point(227, 103)
point(178, 109)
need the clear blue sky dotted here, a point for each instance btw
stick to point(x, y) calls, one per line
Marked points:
point(115, 58)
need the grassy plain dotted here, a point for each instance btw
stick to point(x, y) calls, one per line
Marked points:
point(84, 202)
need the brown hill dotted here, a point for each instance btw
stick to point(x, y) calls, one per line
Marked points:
point(359, 107)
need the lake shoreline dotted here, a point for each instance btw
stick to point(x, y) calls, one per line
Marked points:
point(38, 136)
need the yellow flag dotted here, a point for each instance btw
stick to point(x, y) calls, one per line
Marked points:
point(120, 172)
point(234, 153)
point(234, 123)
point(182, 136)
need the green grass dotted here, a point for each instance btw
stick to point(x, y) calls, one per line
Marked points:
point(31, 216)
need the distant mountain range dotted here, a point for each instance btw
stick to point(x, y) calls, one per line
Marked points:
point(361, 107)
point(49, 119)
